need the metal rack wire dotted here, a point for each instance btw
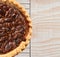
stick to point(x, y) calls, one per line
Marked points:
point(27, 5)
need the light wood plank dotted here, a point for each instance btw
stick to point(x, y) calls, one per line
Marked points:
point(46, 28)
point(23, 1)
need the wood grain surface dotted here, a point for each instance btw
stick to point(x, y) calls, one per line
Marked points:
point(46, 28)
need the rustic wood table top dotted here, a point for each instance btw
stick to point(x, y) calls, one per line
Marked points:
point(45, 41)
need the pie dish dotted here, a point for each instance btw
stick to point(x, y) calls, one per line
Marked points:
point(15, 28)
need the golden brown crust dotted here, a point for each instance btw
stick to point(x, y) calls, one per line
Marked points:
point(22, 44)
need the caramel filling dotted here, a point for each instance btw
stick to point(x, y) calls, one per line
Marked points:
point(13, 28)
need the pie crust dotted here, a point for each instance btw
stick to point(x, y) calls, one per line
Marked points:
point(22, 45)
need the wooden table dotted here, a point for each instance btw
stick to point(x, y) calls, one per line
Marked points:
point(45, 40)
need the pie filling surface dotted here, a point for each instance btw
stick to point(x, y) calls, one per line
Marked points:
point(13, 28)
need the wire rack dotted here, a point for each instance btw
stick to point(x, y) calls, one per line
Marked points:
point(27, 51)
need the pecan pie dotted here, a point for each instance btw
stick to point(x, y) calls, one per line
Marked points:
point(15, 28)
